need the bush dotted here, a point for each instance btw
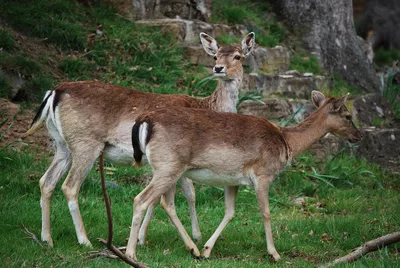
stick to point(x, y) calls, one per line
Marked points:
point(7, 42)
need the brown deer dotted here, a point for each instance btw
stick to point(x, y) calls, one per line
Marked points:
point(85, 118)
point(224, 149)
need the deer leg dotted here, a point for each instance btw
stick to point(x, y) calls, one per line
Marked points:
point(262, 192)
point(146, 222)
point(54, 173)
point(230, 196)
point(142, 201)
point(81, 166)
point(189, 192)
point(168, 204)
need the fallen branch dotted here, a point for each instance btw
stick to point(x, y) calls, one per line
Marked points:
point(108, 243)
point(369, 246)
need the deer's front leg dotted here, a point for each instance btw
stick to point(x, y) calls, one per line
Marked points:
point(262, 192)
point(230, 196)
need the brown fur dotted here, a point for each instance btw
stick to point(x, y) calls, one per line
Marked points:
point(89, 117)
point(232, 149)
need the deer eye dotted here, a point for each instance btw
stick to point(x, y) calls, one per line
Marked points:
point(348, 117)
point(215, 58)
point(237, 57)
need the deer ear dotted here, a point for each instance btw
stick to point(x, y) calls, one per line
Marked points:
point(317, 98)
point(209, 44)
point(248, 43)
point(339, 103)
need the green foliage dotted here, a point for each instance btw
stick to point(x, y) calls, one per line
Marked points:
point(4, 86)
point(305, 64)
point(391, 92)
point(77, 69)
point(7, 42)
point(256, 16)
point(227, 40)
point(19, 63)
point(340, 88)
point(386, 57)
point(37, 81)
point(54, 21)
point(254, 95)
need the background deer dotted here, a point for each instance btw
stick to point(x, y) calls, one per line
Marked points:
point(231, 150)
point(85, 118)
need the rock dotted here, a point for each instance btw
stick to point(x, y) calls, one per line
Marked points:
point(302, 108)
point(372, 109)
point(381, 146)
point(326, 146)
point(196, 55)
point(152, 9)
point(272, 109)
point(286, 85)
point(269, 60)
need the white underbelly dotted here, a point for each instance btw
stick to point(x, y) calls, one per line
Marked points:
point(119, 155)
point(207, 177)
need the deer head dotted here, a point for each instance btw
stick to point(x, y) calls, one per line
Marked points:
point(228, 59)
point(339, 121)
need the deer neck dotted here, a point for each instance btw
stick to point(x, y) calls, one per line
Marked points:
point(225, 96)
point(304, 134)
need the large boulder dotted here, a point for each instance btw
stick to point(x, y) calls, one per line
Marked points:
point(381, 146)
point(271, 109)
point(372, 110)
point(269, 60)
point(290, 85)
point(155, 9)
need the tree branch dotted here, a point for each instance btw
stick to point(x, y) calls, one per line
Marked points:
point(108, 243)
point(366, 248)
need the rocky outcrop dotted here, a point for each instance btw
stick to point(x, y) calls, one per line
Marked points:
point(381, 146)
point(185, 9)
point(271, 109)
point(372, 109)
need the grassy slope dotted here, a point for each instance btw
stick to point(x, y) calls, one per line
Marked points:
point(348, 215)
point(134, 56)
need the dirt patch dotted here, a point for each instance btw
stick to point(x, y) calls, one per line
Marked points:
point(18, 121)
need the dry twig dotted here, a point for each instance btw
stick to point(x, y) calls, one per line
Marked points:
point(366, 248)
point(31, 235)
point(108, 243)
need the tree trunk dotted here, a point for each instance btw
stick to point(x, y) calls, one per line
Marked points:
point(327, 31)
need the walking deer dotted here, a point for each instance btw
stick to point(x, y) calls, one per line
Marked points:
point(223, 149)
point(85, 118)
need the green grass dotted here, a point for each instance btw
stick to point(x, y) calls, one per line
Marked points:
point(305, 64)
point(332, 222)
point(386, 57)
point(7, 42)
point(391, 92)
point(257, 16)
point(53, 21)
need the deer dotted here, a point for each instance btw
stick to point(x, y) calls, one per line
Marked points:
point(89, 117)
point(224, 149)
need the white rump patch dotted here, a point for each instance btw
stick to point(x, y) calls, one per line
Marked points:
point(142, 136)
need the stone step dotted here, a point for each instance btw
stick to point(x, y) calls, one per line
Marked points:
point(267, 60)
point(272, 109)
point(290, 84)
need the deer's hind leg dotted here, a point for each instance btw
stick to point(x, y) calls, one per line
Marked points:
point(60, 164)
point(84, 154)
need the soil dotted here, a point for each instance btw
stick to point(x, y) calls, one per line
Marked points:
point(12, 132)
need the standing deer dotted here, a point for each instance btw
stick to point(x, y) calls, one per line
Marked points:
point(223, 149)
point(85, 118)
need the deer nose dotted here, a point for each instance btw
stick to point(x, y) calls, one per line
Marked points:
point(218, 69)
